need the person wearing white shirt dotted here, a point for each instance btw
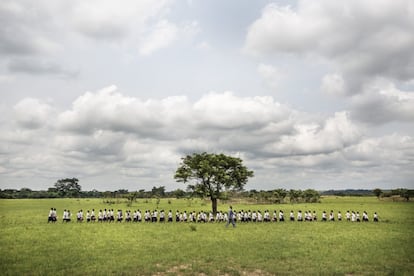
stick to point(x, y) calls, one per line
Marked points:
point(111, 215)
point(339, 216)
point(162, 216)
point(365, 216)
point(281, 216)
point(217, 217)
point(79, 216)
point(375, 217)
point(155, 216)
point(292, 216)
point(100, 216)
point(300, 218)
point(274, 218)
point(259, 216)
point(323, 216)
point(105, 215)
point(128, 216)
point(93, 218)
point(88, 216)
point(170, 217)
point(50, 217)
point(331, 216)
point(119, 216)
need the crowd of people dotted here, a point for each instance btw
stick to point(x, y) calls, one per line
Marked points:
point(243, 216)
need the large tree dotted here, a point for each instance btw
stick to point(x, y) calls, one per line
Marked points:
point(210, 174)
point(68, 187)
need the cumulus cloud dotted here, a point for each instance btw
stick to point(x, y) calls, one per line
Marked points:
point(22, 29)
point(362, 39)
point(108, 134)
point(382, 103)
point(112, 20)
point(36, 37)
point(33, 113)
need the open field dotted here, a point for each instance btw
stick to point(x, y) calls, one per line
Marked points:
point(28, 245)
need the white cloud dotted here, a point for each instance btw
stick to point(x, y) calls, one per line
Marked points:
point(165, 33)
point(114, 20)
point(33, 113)
point(162, 35)
point(270, 74)
point(107, 134)
point(362, 39)
point(333, 84)
point(334, 134)
point(360, 51)
point(382, 103)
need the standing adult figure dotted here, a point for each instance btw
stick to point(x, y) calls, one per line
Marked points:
point(231, 217)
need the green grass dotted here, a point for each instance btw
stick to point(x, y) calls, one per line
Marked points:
point(28, 245)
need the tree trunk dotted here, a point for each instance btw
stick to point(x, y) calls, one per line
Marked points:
point(214, 205)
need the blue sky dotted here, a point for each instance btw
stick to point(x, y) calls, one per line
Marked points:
point(311, 94)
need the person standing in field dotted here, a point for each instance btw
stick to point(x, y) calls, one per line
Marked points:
point(50, 218)
point(292, 216)
point(323, 216)
point(365, 216)
point(230, 217)
point(274, 219)
point(93, 218)
point(281, 216)
point(162, 216)
point(331, 216)
point(375, 217)
point(100, 216)
point(170, 217)
point(300, 218)
point(88, 216)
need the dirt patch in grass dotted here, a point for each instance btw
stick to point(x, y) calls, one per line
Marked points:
point(186, 269)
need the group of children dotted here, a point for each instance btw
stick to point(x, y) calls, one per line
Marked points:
point(109, 215)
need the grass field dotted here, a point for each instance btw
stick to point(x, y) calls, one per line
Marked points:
point(28, 245)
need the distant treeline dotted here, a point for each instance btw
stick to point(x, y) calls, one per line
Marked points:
point(349, 192)
point(400, 192)
point(268, 196)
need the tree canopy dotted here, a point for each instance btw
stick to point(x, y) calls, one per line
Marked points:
point(210, 174)
point(68, 187)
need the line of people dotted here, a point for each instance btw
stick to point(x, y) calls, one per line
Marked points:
point(109, 215)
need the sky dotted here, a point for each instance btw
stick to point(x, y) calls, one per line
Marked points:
point(309, 94)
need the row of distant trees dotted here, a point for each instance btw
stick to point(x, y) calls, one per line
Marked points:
point(207, 175)
point(70, 188)
point(405, 193)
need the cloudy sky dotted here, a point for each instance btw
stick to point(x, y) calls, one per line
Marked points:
point(310, 94)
